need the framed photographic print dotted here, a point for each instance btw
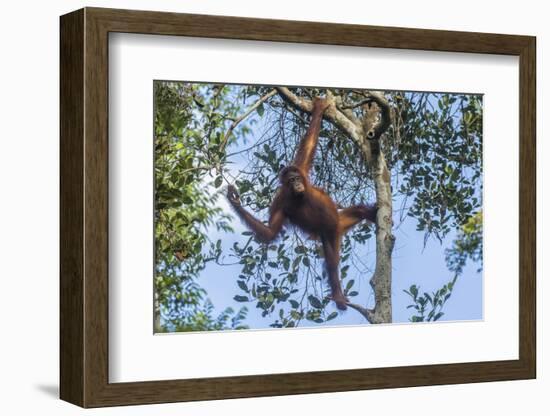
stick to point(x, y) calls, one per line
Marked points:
point(256, 207)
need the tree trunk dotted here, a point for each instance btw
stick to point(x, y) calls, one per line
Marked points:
point(376, 121)
point(382, 277)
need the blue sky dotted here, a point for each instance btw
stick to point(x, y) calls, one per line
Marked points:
point(412, 264)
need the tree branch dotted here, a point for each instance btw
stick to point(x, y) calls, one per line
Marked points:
point(357, 104)
point(245, 115)
point(332, 114)
point(367, 313)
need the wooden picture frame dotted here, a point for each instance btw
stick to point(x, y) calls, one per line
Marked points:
point(84, 207)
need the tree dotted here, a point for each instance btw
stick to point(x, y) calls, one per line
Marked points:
point(186, 150)
point(428, 161)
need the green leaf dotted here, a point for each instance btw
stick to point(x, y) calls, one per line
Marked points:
point(218, 182)
point(315, 302)
point(240, 298)
point(300, 249)
point(332, 316)
point(260, 109)
point(295, 314)
point(242, 285)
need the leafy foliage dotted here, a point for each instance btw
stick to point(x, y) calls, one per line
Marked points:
point(185, 148)
point(429, 307)
point(439, 158)
point(204, 320)
point(433, 149)
point(468, 245)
